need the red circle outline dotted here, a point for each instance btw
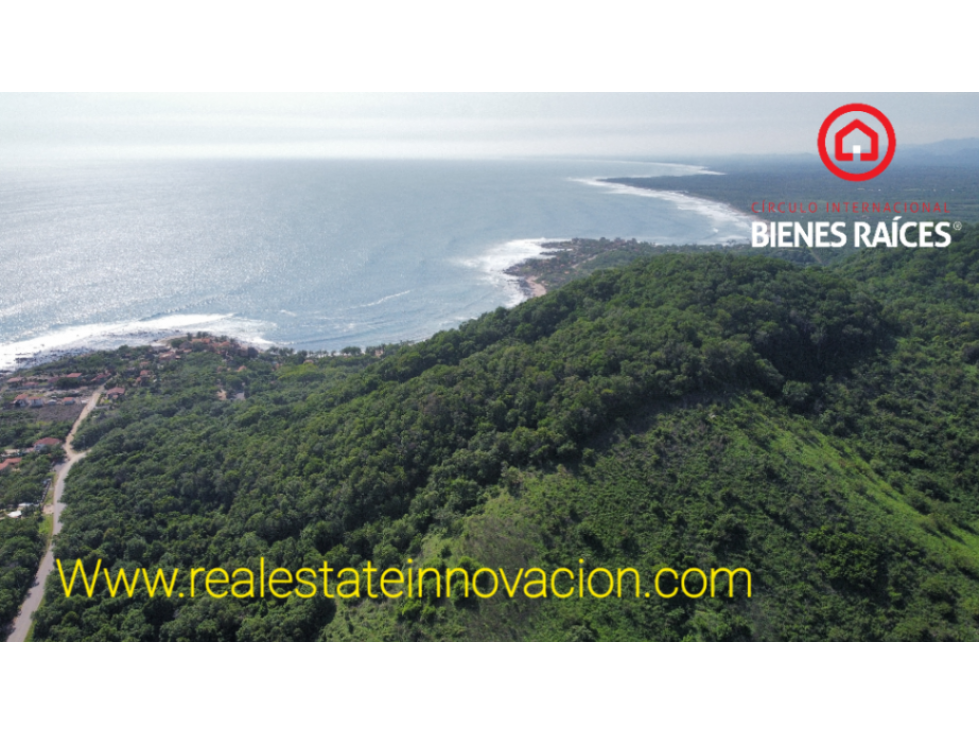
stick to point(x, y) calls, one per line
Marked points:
point(876, 170)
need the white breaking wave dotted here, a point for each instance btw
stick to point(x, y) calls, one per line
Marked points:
point(721, 214)
point(88, 337)
point(498, 260)
point(683, 168)
point(382, 300)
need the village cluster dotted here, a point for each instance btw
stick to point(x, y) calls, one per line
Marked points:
point(49, 390)
point(40, 390)
point(45, 396)
point(74, 388)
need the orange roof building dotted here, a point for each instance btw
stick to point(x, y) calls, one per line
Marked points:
point(9, 463)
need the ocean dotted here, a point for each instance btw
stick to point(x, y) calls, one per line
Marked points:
point(307, 254)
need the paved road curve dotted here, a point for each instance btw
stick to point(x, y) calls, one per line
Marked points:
point(23, 622)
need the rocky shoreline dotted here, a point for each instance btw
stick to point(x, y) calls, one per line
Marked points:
point(562, 262)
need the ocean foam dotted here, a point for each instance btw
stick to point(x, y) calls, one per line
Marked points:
point(88, 337)
point(722, 214)
point(500, 258)
point(382, 300)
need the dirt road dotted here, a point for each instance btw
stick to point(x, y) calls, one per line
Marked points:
point(33, 600)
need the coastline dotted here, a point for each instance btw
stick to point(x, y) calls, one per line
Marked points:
point(721, 212)
point(517, 266)
point(71, 319)
point(524, 273)
point(684, 199)
point(76, 341)
point(536, 289)
point(503, 266)
point(564, 261)
point(530, 286)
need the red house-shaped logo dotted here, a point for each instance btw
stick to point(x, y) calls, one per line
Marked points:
point(839, 140)
point(866, 130)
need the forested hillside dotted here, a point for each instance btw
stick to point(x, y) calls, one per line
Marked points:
point(24, 529)
point(814, 425)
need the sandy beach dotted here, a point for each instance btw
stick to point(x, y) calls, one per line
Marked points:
point(536, 289)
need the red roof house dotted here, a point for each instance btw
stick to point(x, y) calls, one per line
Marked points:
point(9, 463)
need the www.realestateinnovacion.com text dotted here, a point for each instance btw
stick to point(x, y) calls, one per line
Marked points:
point(394, 583)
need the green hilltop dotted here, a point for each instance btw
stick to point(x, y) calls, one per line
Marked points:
point(815, 425)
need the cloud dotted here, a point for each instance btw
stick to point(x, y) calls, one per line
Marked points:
point(449, 125)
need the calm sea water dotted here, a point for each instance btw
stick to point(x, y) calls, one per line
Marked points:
point(313, 255)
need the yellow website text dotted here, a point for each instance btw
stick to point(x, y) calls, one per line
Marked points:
point(394, 583)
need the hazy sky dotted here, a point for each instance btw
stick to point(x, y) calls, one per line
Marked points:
point(451, 125)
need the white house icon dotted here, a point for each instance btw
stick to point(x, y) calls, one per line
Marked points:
point(856, 149)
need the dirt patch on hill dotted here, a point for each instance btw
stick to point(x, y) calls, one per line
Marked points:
point(46, 414)
point(58, 412)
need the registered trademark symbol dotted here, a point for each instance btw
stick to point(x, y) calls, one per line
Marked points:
point(956, 226)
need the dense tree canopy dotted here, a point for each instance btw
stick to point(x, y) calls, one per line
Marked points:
point(811, 424)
